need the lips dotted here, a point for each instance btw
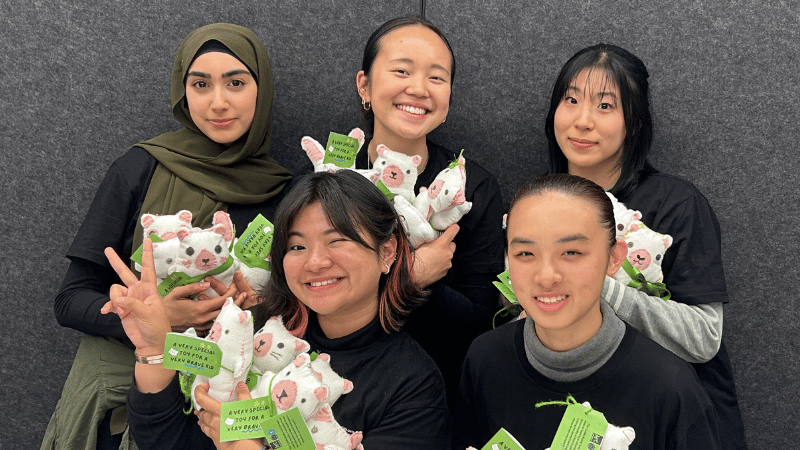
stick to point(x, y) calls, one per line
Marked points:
point(221, 123)
point(323, 282)
point(582, 143)
point(551, 303)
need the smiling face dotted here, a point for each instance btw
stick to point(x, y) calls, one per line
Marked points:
point(221, 96)
point(558, 257)
point(589, 127)
point(408, 86)
point(333, 275)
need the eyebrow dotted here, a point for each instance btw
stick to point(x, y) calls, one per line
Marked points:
point(562, 240)
point(224, 75)
point(326, 233)
point(602, 94)
point(411, 61)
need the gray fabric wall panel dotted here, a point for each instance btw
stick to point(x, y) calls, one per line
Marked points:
point(725, 92)
point(81, 81)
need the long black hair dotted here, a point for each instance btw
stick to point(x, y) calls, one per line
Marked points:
point(629, 74)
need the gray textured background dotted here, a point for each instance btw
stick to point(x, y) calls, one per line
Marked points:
point(81, 81)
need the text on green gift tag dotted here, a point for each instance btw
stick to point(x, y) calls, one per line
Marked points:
point(288, 431)
point(242, 419)
point(252, 247)
point(192, 354)
point(341, 150)
point(581, 428)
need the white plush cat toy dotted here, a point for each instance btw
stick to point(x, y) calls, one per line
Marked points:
point(274, 347)
point(336, 384)
point(166, 226)
point(646, 250)
point(444, 202)
point(397, 171)
point(623, 216)
point(316, 152)
point(202, 251)
point(233, 332)
point(294, 385)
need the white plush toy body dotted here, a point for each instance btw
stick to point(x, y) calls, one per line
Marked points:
point(646, 247)
point(233, 332)
point(274, 347)
point(645, 252)
point(316, 152)
point(444, 202)
point(336, 384)
point(418, 229)
point(328, 434)
point(164, 255)
point(295, 385)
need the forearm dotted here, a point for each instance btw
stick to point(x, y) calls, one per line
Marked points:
point(83, 293)
point(693, 332)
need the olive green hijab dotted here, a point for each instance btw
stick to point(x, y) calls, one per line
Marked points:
point(198, 174)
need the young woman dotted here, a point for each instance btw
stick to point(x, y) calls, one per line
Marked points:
point(219, 160)
point(561, 246)
point(342, 280)
point(405, 85)
point(599, 126)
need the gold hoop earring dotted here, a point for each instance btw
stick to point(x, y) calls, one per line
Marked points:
point(366, 105)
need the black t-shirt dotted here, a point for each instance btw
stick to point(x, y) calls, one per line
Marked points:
point(694, 274)
point(642, 386)
point(397, 400)
point(461, 305)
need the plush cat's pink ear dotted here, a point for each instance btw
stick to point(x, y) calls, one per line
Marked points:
point(301, 346)
point(147, 220)
point(182, 233)
point(416, 159)
point(381, 149)
point(222, 218)
point(185, 216)
point(321, 393)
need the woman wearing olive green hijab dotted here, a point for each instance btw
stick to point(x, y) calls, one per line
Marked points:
point(218, 160)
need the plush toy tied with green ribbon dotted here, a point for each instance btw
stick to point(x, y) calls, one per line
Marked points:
point(646, 249)
point(586, 428)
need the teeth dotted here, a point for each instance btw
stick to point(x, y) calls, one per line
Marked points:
point(551, 299)
point(323, 283)
point(412, 109)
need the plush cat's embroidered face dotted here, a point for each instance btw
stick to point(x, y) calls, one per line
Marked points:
point(201, 251)
point(296, 385)
point(448, 188)
point(274, 347)
point(396, 170)
point(164, 256)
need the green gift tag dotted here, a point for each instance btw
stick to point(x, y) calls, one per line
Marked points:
point(504, 286)
point(581, 428)
point(341, 150)
point(252, 247)
point(503, 440)
point(242, 419)
point(288, 431)
point(192, 354)
point(137, 255)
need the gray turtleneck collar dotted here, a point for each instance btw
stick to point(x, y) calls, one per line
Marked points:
point(581, 362)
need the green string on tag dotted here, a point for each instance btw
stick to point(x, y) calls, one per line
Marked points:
point(455, 162)
point(639, 282)
point(581, 428)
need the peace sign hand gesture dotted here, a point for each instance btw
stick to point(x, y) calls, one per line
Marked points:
point(138, 303)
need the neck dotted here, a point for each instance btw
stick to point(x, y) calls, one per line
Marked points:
point(404, 146)
point(605, 177)
point(575, 335)
point(341, 324)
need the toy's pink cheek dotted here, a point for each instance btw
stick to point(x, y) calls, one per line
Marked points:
point(215, 333)
point(284, 394)
point(435, 188)
point(640, 259)
point(261, 344)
